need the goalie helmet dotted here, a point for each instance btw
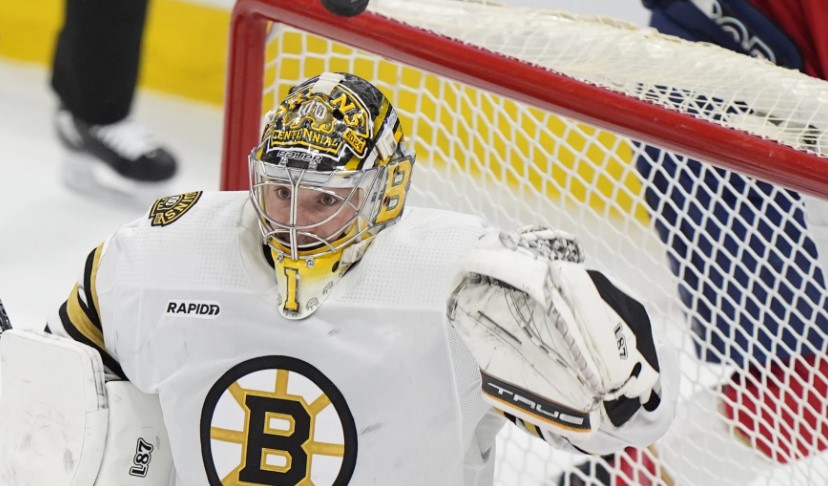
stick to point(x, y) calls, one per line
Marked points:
point(332, 170)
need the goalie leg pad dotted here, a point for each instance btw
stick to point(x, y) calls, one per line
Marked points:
point(53, 413)
point(62, 424)
point(137, 447)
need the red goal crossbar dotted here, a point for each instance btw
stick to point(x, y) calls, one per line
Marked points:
point(484, 69)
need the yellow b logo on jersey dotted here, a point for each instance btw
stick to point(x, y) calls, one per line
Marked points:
point(277, 420)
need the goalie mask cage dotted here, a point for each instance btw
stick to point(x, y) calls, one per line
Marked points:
point(620, 136)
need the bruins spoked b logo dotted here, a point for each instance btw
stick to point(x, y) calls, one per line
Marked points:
point(277, 420)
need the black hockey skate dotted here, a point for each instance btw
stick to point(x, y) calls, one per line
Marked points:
point(121, 159)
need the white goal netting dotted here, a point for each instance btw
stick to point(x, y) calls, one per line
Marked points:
point(730, 267)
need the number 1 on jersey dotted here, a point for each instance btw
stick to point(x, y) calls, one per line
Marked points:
point(291, 303)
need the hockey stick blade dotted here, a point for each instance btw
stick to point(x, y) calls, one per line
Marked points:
point(5, 324)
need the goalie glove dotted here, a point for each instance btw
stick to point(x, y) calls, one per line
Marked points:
point(558, 346)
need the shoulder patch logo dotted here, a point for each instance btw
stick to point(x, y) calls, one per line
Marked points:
point(169, 209)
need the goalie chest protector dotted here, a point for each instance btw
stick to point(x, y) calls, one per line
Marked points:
point(373, 388)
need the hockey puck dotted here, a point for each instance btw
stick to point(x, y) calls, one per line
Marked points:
point(345, 8)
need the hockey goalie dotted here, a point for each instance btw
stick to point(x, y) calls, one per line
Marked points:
point(311, 331)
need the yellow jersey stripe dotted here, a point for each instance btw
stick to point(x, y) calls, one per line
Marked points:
point(74, 328)
point(81, 321)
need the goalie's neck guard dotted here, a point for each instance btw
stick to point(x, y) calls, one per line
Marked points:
point(317, 276)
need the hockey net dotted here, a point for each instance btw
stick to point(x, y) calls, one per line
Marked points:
point(620, 136)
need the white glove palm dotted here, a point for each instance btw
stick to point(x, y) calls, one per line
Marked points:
point(554, 341)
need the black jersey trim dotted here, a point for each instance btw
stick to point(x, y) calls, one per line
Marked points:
point(90, 275)
point(75, 333)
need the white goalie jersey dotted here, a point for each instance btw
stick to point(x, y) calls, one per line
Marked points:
point(375, 387)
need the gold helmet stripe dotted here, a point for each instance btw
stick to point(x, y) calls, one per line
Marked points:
point(398, 132)
point(380, 118)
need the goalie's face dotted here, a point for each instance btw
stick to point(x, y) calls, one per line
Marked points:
point(310, 217)
point(306, 214)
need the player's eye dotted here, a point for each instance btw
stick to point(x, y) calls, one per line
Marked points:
point(282, 192)
point(328, 200)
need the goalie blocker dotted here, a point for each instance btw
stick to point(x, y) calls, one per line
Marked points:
point(559, 346)
point(63, 424)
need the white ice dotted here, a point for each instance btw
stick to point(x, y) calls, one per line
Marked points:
point(46, 229)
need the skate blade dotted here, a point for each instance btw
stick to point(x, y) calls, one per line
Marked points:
point(92, 178)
